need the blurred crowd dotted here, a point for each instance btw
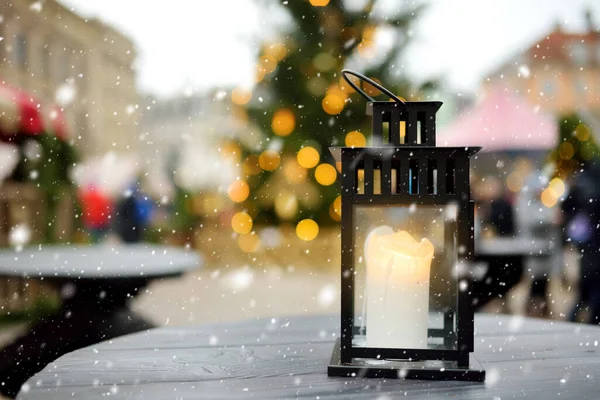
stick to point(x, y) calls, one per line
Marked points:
point(557, 204)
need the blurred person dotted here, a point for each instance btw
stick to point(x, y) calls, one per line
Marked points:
point(495, 215)
point(578, 164)
point(495, 208)
point(96, 210)
point(535, 221)
point(133, 213)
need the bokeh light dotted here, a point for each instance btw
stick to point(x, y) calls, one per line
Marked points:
point(294, 172)
point(249, 242)
point(267, 64)
point(319, 3)
point(333, 104)
point(335, 210)
point(325, 174)
point(286, 205)
point(548, 198)
point(238, 191)
point(307, 229)
point(231, 150)
point(582, 132)
point(276, 50)
point(557, 186)
point(514, 181)
point(250, 165)
point(566, 150)
point(241, 96)
point(308, 157)
point(269, 160)
point(355, 139)
point(283, 122)
point(241, 222)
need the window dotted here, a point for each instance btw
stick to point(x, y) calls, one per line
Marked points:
point(549, 88)
point(20, 51)
point(579, 53)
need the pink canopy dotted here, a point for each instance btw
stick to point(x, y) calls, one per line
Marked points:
point(501, 121)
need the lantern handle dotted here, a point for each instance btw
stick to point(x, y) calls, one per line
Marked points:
point(346, 72)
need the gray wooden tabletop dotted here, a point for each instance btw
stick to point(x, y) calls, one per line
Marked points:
point(108, 261)
point(287, 358)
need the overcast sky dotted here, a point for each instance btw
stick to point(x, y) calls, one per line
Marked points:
point(189, 44)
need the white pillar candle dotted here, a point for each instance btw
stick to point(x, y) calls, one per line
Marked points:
point(398, 270)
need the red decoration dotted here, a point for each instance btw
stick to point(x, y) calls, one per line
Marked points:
point(96, 208)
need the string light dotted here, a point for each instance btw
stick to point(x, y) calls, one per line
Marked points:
point(307, 229)
point(249, 243)
point(241, 223)
point(283, 122)
point(355, 139)
point(269, 160)
point(308, 157)
point(241, 96)
point(325, 174)
point(238, 191)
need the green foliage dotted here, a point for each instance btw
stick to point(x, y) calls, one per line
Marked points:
point(50, 171)
point(320, 43)
point(576, 145)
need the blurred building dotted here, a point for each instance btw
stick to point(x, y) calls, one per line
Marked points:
point(81, 64)
point(185, 135)
point(560, 72)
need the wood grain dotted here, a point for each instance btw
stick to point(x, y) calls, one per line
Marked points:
point(287, 358)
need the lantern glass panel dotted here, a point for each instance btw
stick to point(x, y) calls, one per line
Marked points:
point(405, 288)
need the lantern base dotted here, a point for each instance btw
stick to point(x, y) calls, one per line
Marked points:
point(434, 370)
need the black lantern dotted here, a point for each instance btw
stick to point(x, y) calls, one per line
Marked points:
point(407, 235)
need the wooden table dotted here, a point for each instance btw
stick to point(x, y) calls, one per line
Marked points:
point(288, 357)
point(505, 258)
point(95, 283)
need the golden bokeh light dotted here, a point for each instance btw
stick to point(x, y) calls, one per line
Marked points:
point(582, 132)
point(355, 139)
point(250, 165)
point(566, 151)
point(267, 64)
point(269, 160)
point(549, 198)
point(241, 96)
point(345, 86)
point(241, 223)
point(276, 50)
point(231, 150)
point(286, 205)
point(325, 174)
point(294, 172)
point(514, 181)
point(249, 243)
point(370, 89)
point(238, 191)
point(319, 3)
point(307, 229)
point(333, 104)
point(557, 186)
point(308, 157)
point(283, 122)
point(335, 209)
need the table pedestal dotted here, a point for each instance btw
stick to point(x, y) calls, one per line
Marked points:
point(91, 313)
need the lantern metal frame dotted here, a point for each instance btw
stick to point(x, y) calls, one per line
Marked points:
point(415, 157)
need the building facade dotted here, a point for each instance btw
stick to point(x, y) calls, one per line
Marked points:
point(560, 72)
point(82, 65)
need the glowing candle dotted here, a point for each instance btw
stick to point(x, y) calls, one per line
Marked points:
point(398, 270)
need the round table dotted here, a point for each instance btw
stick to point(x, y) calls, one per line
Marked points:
point(95, 283)
point(288, 357)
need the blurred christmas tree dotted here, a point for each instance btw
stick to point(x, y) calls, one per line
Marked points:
point(302, 105)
